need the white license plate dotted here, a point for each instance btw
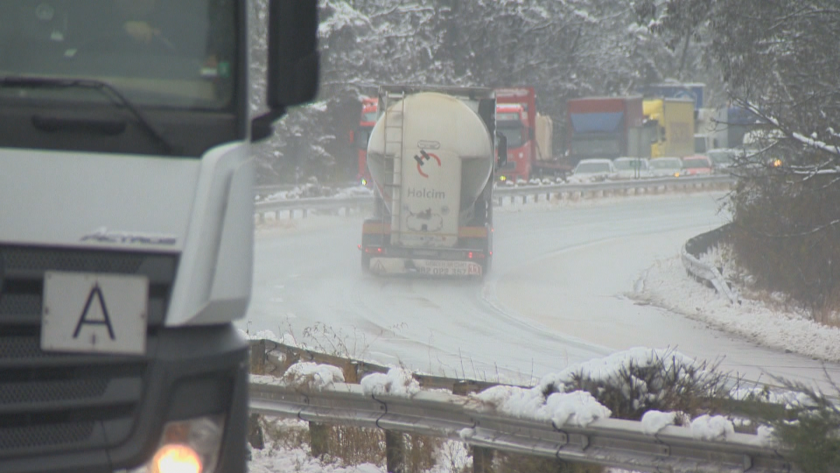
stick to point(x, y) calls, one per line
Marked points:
point(423, 266)
point(448, 268)
point(94, 313)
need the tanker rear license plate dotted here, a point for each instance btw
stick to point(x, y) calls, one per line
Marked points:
point(448, 268)
point(94, 313)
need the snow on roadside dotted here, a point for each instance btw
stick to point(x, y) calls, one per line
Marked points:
point(278, 459)
point(548, 401)
point(667, 285)
point(313, 375)
point(708, 427)
point(398, 382)
point(653, 421)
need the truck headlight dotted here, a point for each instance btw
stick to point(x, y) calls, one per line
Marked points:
point(188, 446)
point(176, 458)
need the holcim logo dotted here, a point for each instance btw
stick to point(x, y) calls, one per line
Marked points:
point(428, 144)
point(424, 193)
point(422, 159)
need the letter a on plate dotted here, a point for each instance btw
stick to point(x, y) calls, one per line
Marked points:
point(94, 313)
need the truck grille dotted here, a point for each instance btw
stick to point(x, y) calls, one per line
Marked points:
point(55, 402)
point(22, 277)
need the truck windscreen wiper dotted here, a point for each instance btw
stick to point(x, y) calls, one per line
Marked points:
point(109, 91)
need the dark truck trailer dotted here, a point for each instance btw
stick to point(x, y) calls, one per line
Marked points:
point(607, 127)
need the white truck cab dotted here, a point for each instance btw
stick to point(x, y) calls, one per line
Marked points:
point(126, 226)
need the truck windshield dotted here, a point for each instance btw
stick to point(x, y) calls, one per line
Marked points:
point(159, 53)
point(512, 131)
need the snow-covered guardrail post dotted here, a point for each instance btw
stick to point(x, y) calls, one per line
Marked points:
point(482, 456)
point(690, 257)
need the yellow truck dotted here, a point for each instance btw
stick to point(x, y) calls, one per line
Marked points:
point(675, 119)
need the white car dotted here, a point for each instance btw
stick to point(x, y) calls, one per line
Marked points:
point(722, 158)
point(593, 170)
point(666, 167)
point(632, 168)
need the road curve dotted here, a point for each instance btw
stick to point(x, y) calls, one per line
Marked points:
point(555, 296)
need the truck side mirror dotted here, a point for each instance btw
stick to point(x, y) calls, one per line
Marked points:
point(292, 52)
point(293, 60)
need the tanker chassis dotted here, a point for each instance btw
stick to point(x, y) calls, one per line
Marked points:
point(431, 158)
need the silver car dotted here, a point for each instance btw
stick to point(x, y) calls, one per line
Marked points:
point(632, 168)
point(593, 170)
point(666, 167)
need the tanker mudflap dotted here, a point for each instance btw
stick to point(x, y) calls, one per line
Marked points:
point(425, 267)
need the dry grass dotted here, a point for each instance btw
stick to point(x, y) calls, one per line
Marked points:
point(725, 257)
point(356, 445)
point(516, 463)
point(668, 383)
point(829, 315)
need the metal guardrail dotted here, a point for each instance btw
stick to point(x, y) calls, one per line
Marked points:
point(608, 442)
point(305, 205)
point(436, 412)
point(511, 194)
point(271, 189)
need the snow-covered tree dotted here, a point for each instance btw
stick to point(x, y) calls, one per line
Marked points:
point(563, 49)
point(779, 58)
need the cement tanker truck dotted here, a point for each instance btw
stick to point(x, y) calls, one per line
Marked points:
point(431, 157)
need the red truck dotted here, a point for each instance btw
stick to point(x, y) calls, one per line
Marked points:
point(607, 127)
point(528, 135)
point(370, 110)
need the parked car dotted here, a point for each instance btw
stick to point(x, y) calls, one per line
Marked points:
point(632, 168)
point(666, 167)
point(722, 158)
point(593, 170)
point(697, 165)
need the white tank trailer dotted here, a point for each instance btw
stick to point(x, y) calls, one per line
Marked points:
point(431, 157)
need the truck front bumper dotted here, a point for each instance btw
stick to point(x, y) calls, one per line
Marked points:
point(103, 414)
